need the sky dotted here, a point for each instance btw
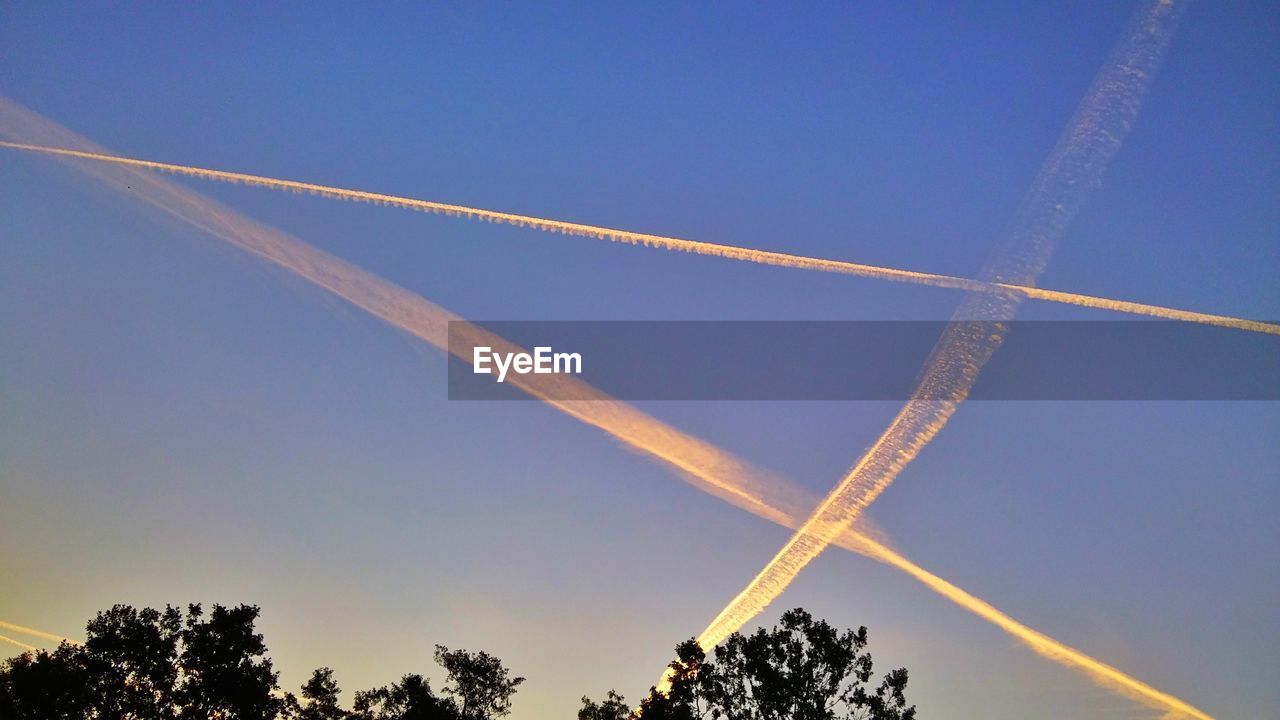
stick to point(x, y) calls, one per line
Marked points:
point(179, 423)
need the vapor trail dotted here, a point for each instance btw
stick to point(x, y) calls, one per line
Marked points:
point(732, 252)
point(1042, 644)
point(1058, 192)
point(703, 465)
point(19, 643)
point(31, 631)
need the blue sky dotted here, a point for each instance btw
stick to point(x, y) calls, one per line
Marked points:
point(178, 423)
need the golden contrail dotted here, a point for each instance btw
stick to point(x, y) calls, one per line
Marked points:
point(705, 466)
point(19, 643)
point(32, 631)
point(1059, 190)
point(733, 252)
point(1039, 642)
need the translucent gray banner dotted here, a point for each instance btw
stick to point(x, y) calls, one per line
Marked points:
point(865, 360)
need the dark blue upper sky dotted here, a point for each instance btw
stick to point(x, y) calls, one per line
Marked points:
point(157, 389)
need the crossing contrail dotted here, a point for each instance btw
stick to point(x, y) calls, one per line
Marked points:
point(733, 252)
point(1059, 190)
point(702, 464)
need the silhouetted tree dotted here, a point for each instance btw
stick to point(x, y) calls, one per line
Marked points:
point(223, 666)
point(131, 657)
point(319, 698)
point(47, 685)
point(683, 699)
point(481, 686)
point(613, 707)
point(802, 670)
point(409, 699)
point(148, 665)
point(168, 665)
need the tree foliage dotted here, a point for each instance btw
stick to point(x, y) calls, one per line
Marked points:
point(482, 686)
point(169, 665)
point(319, 698)
point(149, 665)
point(613, 707)
point(172, 664)
point(801, 670)
point(409, 699)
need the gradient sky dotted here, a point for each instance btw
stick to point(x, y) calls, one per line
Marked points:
point(179, 423)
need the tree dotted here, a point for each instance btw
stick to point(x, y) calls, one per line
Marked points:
point(44, 685)
point(169, 665)
point(148, 665)
point(223, 666)
point(802, 670)
point(683, 700)
point(409, 699)
point(613, 707)
point(482, 687)
point(131, 657)
point(320, 698)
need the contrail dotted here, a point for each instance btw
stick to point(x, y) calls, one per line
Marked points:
point(1042, 644)
point(32, 631)
point(707, 466)
point(1058, 192)
point(733, 252)
point(19, 643)
point(701, 464)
